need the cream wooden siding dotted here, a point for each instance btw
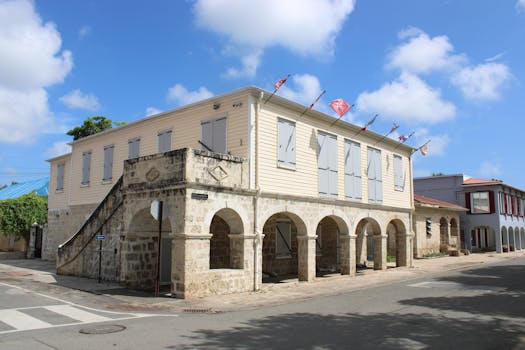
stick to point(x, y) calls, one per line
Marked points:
point(186, 132)
point(303, 180)
point(59, 199)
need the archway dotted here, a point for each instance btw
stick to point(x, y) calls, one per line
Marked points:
point(512, 243)
point(328, 243)
point(226, 246)
point(454, 233)
point(517, 240)
point(504, 240)
point(443, 235)
point(280, 250)
point(396, 243)
point(142, 242)
point(369, 245)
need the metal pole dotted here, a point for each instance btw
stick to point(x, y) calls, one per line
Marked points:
point(100, 261)
point(157, 279)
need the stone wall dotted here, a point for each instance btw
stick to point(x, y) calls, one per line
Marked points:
point(273, 265)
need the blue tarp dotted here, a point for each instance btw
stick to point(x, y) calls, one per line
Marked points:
point(41, 186)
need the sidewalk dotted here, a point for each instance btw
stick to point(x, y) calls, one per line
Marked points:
point(39, 276)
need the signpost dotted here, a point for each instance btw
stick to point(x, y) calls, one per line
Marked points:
point(156, 212)
point(100, 237)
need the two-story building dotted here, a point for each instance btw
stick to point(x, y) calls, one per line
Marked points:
point(495, 219)
point(252, 188)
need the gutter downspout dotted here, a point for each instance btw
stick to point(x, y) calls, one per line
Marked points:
point(410, 214)
point(258, 237)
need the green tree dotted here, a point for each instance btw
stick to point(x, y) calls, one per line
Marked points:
point(93, 125)
point(18, 214)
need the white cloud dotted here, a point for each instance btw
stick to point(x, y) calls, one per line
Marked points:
point(58, 149)
point(304, 89)
point(79, 100)
point(490, 169)
point(423, 54)
point(305, 27)
point(31, 61)
point(180, 95)
point(520, 5)
point(407, 99)
point(250, 63)
point(152, 111)
point(482, 82)
point(437, 145)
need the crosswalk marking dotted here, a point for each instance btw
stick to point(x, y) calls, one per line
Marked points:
point(76, 314)
point(21, 321)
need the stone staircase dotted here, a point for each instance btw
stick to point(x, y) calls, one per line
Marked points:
point(79, 254)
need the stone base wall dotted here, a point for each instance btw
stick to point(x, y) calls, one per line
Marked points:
point(139, 259)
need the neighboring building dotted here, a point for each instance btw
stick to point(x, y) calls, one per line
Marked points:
point(436, 226)
point(40, 186)
point(495, 219)
point(253, 188)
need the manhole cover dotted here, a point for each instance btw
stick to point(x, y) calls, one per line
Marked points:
point(103, 329)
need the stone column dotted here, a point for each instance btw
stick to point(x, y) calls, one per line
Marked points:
point(306, 258)
point(190, 261)
point(499, 238)
point(404, 256)
point(348, 254)
point(380, 245)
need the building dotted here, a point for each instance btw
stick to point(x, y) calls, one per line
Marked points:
point(252, 188)
point(495, 219)
point(436, 227)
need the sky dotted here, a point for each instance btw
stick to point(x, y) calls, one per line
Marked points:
point(452, 72)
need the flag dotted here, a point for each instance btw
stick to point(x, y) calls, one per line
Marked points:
point(370, 122)
point(340, 106)
point(424, 149)
point(280, 82)
point(403, 138)
point(315, 101)
point(394, 128)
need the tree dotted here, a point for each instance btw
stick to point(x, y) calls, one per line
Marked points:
point(18, 214)
point(91, 126)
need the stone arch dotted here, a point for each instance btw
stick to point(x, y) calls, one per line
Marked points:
point(504, 239)
point(281, 254)
point(140, 250)
point(512, 243)
point(328, 244)
point(369, 244)
point(226, 242)
point(397, 242)
point(443, 235)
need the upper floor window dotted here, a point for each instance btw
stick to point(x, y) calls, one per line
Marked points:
point(108, 163)
point(134, 148)
point(164, 141)
point(86, 167)
point(375, 176)
point(214, 135)
point(286, 143)
point(353, 184)
point(60, 176)
point(327, 164)
point(399, 177)
point(480, 203)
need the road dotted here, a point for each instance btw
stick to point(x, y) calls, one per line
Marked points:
point(479, 308)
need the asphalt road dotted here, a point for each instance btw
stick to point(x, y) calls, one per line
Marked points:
point(482, 308)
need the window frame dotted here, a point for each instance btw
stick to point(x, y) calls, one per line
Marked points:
point(105, 172)
point(61, 170)
point(289, 162)
point(399, 179)
point(85, 181)
point(161, 133)
point(353, 181)
point(213, 122)
point(473, 209)
point(134, 140)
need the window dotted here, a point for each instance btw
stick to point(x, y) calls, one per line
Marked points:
point(353, 187)
point(108, 163)
point(375, 177)
point(214, 135)
point(283, 239)
point(327, 164)
point(428, 226)
point(399, 178)
point(501, 203)
point(86, 168)
point(60, 176)
point(286, 143)
point(480, 203)
point(134, 148)
point(164, 141)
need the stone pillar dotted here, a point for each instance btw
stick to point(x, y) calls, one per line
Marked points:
point(306, 258)
point(32, 240)
point(190, 258)
point(257, 258)
point(499, 243)
point(348, 254)
point(380, 245)
point(404, 256)
point(360, 248)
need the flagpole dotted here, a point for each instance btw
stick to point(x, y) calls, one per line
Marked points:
point(275, 90)
point(388, 133)
point(335, 121)
point(312, 104)
point(366, 126)
point(401, 143)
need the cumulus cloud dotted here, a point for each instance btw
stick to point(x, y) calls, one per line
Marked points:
point(520, 5)
point(423, 54)
point(77, 99)
point(407, 99)
point(304, 89)
point(152, 111)
point(482, 82)
point(31, 61)
point(58, 148)
point(180, 95)
point(249, 62)
point(490, 169)
point(438, 142)
point(305, 27)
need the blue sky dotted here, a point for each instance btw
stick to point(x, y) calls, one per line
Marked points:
point(452, 71)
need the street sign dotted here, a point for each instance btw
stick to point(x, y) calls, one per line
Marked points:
point(154, 209)
point(100, 237)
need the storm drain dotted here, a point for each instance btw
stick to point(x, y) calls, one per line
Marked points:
point(197, 310)
point(103, 329)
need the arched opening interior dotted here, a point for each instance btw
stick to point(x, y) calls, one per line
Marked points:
point(396, 243)
point(226, 246)
point(367, 232)
point(454, 233)
point(512, 243)
point(443, 235)
point(328, 243)
point(504, 239)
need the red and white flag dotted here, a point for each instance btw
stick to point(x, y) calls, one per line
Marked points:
point(403, 138)
point(394, 128)
point(280, 82)
point(370, 122)
point(340, 106)
point(424, 149)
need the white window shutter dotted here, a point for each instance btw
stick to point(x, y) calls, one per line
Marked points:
point(219, 135)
